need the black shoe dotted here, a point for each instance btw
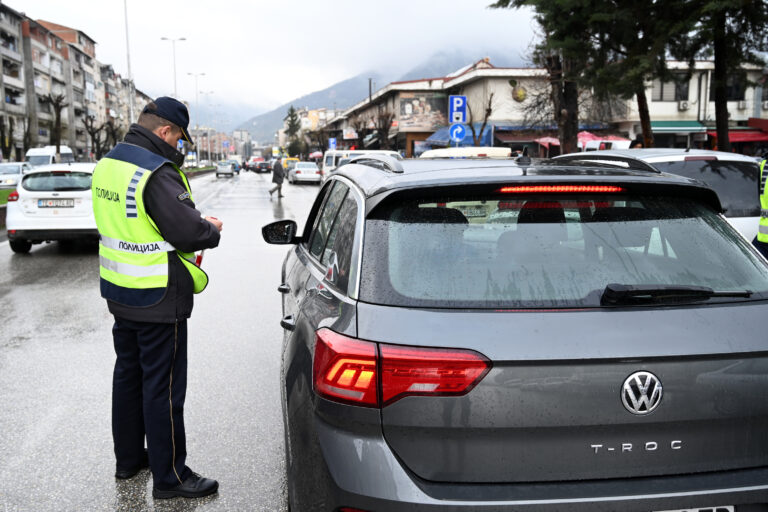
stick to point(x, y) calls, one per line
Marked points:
point(194, 486)
point(124, 474)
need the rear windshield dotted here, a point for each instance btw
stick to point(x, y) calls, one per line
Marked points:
point(10, 168)
point(548, 251)
point(57, 181)
point(734, 182)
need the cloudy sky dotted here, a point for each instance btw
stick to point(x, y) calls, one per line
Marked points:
point(259, 54)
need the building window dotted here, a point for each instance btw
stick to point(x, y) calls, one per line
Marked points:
point(673, 90)
point(13, 97)
point(735, 87)
point(8, 41)
point(11, 69)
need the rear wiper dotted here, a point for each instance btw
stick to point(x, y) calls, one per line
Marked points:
point(615, 293)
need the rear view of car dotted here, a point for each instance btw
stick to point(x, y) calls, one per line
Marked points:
point(224, 169)
point(262, 167)
point(51, 203)
point(601, 348)
point(305, 172)
point(11, 172)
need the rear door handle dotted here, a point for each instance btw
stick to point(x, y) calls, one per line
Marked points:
point(284, 288)
point(288, 323)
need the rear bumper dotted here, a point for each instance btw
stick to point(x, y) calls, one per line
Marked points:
point(43, 235)
point(365, 474)
point(313, 178)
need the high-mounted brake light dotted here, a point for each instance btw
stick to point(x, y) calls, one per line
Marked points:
point(13, 196)
point(358, 372)
point(561, 189)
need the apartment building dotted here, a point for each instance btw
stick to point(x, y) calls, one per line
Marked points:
point(13, 116)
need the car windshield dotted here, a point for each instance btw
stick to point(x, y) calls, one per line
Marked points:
point(734, 181)
point(57, 181)
point(39, 159)
point(10, 168)
point(549, 251)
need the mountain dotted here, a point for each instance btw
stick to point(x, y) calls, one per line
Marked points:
point(340, 95)
point(351, 91)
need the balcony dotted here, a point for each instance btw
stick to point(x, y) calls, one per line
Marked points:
point(12, 108)
point(45, 116)
point(10, 53)
point(14, 82)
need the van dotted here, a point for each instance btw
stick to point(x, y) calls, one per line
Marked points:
point(47, 155)
point(332, 157)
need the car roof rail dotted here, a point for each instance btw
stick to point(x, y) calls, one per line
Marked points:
point(588, 156)
point(381, 162)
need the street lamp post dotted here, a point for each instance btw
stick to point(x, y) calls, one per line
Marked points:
point(197, 113)
point(173, 45)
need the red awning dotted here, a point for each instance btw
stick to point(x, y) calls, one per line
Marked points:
point(547, 141)
point(744, 136)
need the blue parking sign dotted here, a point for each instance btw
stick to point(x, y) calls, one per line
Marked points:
point(457, 109)
point(332, 143)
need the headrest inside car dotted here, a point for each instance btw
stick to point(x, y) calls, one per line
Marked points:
point(431, 215)
point(541, 212)
point(626, 224)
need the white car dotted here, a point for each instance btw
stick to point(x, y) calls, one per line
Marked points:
point(733, 176)
point(52, 202)
point(305, 171)
point(224, 169)
point(10, 173)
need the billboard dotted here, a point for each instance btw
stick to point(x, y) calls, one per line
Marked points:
point(349, 134)
point(423, 112)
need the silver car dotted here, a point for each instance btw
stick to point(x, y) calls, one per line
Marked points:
point(11, 173)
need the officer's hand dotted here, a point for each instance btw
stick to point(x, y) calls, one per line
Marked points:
point(216, 222)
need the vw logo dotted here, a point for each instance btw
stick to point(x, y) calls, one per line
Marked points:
point(641, 393)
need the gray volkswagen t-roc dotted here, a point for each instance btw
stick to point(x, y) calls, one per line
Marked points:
point(502, 335)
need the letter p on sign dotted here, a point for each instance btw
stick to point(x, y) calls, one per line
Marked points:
point(457, 109)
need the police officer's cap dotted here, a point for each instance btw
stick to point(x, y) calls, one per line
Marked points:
point(171, 110)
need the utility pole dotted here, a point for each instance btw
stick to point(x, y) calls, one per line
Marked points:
point(173, 45)
point(370, 90)
point(132, 91)
point(197, 115)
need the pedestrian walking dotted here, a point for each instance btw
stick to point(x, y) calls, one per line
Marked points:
point(761, 240)
point(278, 175)
point(149, 229)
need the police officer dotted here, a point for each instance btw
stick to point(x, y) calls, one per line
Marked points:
point(149, 229)
point(761, 240)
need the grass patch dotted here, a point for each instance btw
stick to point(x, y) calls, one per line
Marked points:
point(4, 195)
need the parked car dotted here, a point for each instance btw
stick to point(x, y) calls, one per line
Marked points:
point(263, 167)
point(51, 202)
point(734, 177)
point(235, 166)
point(253, 162)
point(559, 370)
point(225, 168)
point(11, 172)
point(288, 163)
point(305, 172)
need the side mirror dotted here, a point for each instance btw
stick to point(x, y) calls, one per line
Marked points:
point(282, 232)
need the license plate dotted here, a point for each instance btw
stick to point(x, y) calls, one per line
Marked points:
point(473, 211)
point(55, 203)
point(728, 508)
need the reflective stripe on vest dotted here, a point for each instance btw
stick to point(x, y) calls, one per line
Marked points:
point(762, 232)
point(128, 269)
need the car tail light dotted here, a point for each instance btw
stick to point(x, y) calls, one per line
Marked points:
point(298, 172)
point(345, 369)
point(368, 374)
point(561, 189)
point(13, 196)
point(429, 371)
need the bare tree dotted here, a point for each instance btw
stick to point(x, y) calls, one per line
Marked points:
point(383, 123)
point(488, 110)
point(27, 139)
point(360, 125)
point(58, 104)
point(95, 133)
point(6, 139)
point(114, 133)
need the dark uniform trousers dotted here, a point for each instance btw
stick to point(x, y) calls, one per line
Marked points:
point(148, 391)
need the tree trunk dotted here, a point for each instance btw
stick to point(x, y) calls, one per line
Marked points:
point(569, 132)
point(645, 117)
point(720, 82)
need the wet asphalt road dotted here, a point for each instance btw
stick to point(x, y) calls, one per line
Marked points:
point(56, 360)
